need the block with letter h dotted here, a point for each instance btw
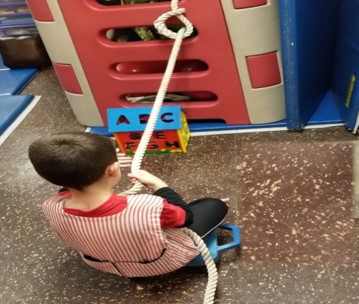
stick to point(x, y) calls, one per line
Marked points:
point(171, 133)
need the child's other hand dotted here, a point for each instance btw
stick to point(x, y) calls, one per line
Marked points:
point(123, 159)
point(149, 180)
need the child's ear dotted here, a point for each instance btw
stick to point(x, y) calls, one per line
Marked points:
point(112, 169)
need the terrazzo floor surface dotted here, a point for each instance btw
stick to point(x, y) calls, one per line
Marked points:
point(292, 194)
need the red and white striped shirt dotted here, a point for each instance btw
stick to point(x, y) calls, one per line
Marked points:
point(130, 243)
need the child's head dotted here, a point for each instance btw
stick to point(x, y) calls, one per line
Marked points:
point(74, 159)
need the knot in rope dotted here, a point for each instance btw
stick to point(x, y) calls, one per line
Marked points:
point(160, 23)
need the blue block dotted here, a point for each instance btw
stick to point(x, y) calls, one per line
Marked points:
point(128, 119)
point(11, 107)
point(13, 81)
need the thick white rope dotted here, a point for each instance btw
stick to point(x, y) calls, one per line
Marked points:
point(211, 266)
point(141, 149)
point(140, 152)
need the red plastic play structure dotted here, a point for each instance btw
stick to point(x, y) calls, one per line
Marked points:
point(93, 68)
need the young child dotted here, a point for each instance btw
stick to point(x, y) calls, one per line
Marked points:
point(132, 236)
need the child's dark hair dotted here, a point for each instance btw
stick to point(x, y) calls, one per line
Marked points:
point(74, 159)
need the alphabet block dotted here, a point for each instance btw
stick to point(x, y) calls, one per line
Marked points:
point(171, 133)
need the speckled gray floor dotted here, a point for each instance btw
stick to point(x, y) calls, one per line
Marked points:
point(292, 195)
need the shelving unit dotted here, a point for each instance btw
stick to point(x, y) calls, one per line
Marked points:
point(16, 19)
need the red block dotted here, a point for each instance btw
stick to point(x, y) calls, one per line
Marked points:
point(161, 141)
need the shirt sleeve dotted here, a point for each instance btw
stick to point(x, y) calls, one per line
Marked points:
point(172, 216)
point(175, 213)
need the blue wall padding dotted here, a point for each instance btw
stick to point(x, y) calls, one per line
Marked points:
point(347, 63)
point(11, 107)
point(326, 113)
point(14, 80)
point(308, 32)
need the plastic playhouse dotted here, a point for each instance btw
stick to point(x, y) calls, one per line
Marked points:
point(229, 71)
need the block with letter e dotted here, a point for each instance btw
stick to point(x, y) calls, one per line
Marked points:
point(171, 132)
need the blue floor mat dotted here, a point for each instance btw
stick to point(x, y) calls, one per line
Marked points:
point(13, 81)
point(10, 108)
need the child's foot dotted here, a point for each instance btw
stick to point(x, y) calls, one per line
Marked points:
point(226, 200)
